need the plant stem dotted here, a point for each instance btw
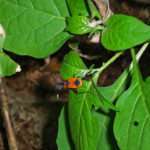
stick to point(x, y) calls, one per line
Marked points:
point(139, 54)
point(6, 117)
point(105, 65)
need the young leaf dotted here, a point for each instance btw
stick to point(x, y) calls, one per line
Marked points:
point(132, 122)
point(77, 7)
point(123, 32)
point(7, 65)
point(78, 25)
point(62, 137)
point(34, 28)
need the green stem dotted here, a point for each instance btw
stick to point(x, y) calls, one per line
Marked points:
point(139, 54)
point(105, 65)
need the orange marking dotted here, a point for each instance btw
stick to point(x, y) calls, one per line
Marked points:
point(72, 83)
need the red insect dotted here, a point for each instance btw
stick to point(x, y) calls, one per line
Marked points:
point(72, 83)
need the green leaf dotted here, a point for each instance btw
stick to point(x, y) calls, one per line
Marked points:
point(34, 28)
point(113, 91)
point(7, 66)
point(123, 32)
point(77, 7)
point(106, 138)
point(84, 124)
point(62, 137)
point(132, 122)
point(93, 10)
point(72, 65)
point(78, 25)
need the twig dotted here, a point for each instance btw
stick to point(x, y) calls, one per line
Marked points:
point(105, 65)
point(6, 117)
point(139, 54)
point(85, 56)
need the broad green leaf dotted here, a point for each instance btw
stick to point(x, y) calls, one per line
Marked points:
point(87, 131)
point(83, 124)
point(7, 66)
point(72, 65)
point(77, 7)
point(34, 28)
point(123, 32)
point(78, 25)
point(62, 137)
point(132, 122)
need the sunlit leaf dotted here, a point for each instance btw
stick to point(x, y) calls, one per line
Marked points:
point(132, 122)
point(77, 7)
point(34, 27)
point(123, 32)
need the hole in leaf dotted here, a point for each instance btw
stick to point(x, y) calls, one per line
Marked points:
point(136, 123)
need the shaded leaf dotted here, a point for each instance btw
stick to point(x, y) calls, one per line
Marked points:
point(123, 32)
point(62, 137)
point(34, 27)
point(106, 138)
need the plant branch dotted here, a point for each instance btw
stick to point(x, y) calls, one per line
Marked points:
point(105, 65)
point(139, 54)
point(6, 117)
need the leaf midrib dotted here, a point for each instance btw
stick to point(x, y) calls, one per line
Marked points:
point(82, 104)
